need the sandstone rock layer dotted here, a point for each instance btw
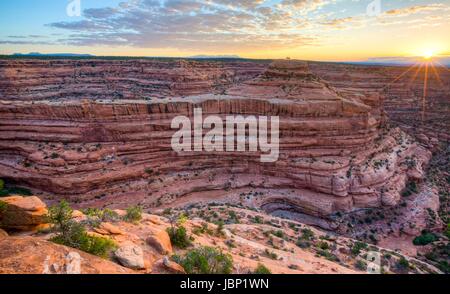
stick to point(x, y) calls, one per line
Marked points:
point(98, 133)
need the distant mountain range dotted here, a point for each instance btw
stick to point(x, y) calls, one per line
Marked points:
point(444, 60)
point(389, 61)
point(33, 54)
point(53, 54)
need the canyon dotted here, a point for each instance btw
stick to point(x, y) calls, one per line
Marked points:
point(97, 132)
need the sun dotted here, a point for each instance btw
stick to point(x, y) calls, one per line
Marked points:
point(428, 54)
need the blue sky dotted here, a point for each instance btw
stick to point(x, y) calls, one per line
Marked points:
point(307, 29)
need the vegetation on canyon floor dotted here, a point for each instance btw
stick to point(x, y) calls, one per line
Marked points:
point(205, 260)
point(74, 234)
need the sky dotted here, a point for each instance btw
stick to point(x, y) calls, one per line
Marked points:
point(329, 30)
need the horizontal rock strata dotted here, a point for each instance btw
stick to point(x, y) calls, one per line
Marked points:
point(98, 133)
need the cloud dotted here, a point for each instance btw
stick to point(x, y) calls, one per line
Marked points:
point(188, 24)
point(226, 25)
point(415, 9)
point(340, 22)
point(99, 12)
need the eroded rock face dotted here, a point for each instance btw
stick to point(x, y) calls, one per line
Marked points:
point(421, 111)
point(98, 133)
point(23, 213)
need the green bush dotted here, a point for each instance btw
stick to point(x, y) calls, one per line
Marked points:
point(178, 237)
point(278, 233)
point(110, 215)
point(73, 234)
point(323, 245)
point(447, 232)
point(105, 215)
point(410, 188)
point(3, 206)
point(403, 263)
point(357, 247)
point(307, 234)
point(361, 265)
point(15, 191)
point(424, 239)
point(328, 255)
point(271, 254)
point(134, 214)
point(2, 184)
point(205, 260)
point(219, 229)
point(77, 237)
point(262, 270)
point(60, 216)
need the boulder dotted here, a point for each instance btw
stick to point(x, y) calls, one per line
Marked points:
point(23, 213)
point(160, 241)
point(172, 266)
point(3, 234)
point(108, 229)
point(78, 216)
point(152, 218)
point(131, 256)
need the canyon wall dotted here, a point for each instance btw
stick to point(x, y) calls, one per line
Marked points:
point(97, 132)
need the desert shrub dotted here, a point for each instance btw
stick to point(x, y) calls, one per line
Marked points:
point(271, 254)
point(93, 212)
point(134, 214)
point(262, 270)
point(233, 217)
point(73, 234)
point(182, 219)
point(303, 243)
point(110, 215)
point(219, 229)
point(307, 235)
point(77, 237)
point(424, 239)
point(2, 184)
point(179, 237)
point(411, 188)
point(328, 255)
point(202, 230)
point(104, 215)
point(3, 206)
point(278, 233)
point(357, 247)
point(257, 219)
point(402, 263)
point(361, 265)
point(14, 191)
point(205, 260)
point(323, 245)
point(60, 216)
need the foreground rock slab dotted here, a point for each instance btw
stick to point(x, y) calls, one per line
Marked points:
point(28, 255)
